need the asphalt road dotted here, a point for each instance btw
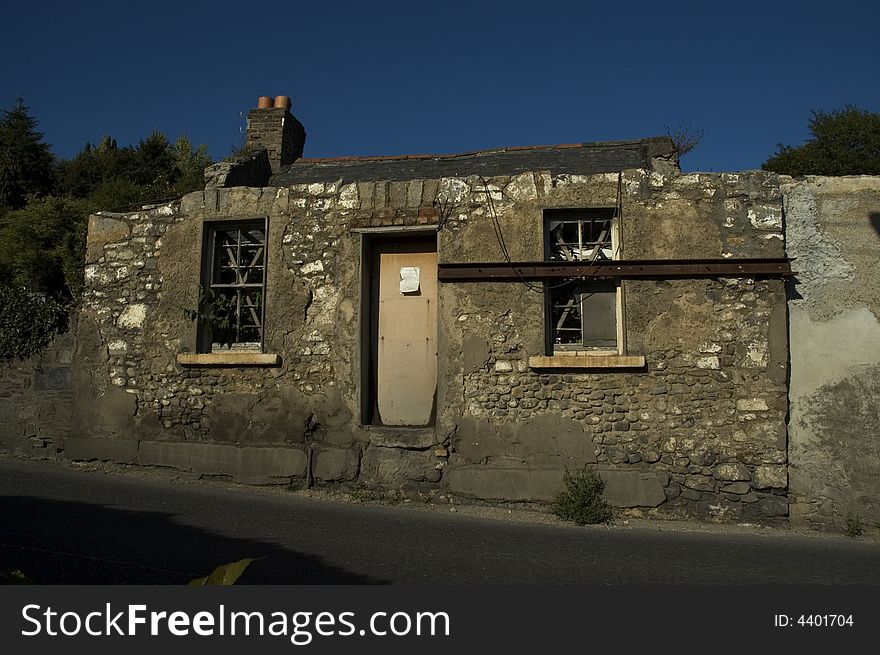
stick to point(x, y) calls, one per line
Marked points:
point(62, 526)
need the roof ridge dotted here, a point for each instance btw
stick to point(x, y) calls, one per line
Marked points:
point(474, 153)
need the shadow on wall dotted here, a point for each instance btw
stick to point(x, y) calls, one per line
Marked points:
point(874, 218)
point(60, 542)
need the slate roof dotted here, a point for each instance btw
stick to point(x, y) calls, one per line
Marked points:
point(577, 159)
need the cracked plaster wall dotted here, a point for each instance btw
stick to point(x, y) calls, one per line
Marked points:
point(833, 232)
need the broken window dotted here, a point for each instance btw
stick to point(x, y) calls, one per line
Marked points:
point(581, 314)
point(233, 286)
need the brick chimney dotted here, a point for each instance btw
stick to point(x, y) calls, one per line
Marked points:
point(273, 127)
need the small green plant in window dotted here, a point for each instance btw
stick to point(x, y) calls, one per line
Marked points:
point(217, 313)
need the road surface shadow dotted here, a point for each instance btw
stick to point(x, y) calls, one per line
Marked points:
point(62, 542)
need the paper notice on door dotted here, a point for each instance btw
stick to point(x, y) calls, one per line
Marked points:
point(409, 279)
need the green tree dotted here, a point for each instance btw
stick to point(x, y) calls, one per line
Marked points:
point(42, 246)
point(190, 166)
point(117, 179)
point(844, 142)
point(26, 162)
point(28, 321)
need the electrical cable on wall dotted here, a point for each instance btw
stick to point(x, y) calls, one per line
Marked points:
point(499, 236)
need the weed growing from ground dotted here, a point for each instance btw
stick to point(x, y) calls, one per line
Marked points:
point(580, 500)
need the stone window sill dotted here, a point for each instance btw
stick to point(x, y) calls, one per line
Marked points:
point(587, 360)
point(228, 359)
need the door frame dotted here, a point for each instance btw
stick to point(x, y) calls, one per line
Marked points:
point(414, 239)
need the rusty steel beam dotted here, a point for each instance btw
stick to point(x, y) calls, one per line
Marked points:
point(638, 269)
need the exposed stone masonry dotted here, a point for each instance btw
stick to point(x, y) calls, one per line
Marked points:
point(701, 431)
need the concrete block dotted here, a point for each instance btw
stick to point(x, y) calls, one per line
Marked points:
point(332, 464)
point(504, 482)
point(475, 439)
point(121, 451)
point(214, 459)
point(251, 464)
point(633, 488)
point(272, 462)
point(547, 434)
point(394, 468)
point(165, 453)
point(52, 378)
point(402, 437)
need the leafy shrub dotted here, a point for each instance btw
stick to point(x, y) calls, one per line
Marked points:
point(28, 322)
point(581, 500)
point(854, 525)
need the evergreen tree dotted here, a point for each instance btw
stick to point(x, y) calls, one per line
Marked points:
point(26, 163)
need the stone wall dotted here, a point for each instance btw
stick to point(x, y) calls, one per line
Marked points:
point(833, 232)
point(699, 431)
point(36, 398)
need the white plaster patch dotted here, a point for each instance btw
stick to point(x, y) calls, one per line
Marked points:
point(493, 191)
point(452, 190)
point(751, 405)
point(117, 347)
point(132, 316)
point(765, 218)
point(711, 362)
point(503, 366)
point(348, 197)
point(522, 187)
point(314, 267)
point(756, 355)
point(709, 347)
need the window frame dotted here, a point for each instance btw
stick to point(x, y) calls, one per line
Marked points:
point(581, 214)
point(211, 229)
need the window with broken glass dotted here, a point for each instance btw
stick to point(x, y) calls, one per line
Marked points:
point(581, 314)
point(233, 287)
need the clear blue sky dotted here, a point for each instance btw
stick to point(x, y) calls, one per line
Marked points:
point(406, 77)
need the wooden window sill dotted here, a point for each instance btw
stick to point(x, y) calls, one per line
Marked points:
point(228, 359)
point(585, 360)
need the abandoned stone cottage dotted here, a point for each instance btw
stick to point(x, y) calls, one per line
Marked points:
point(467, 324)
